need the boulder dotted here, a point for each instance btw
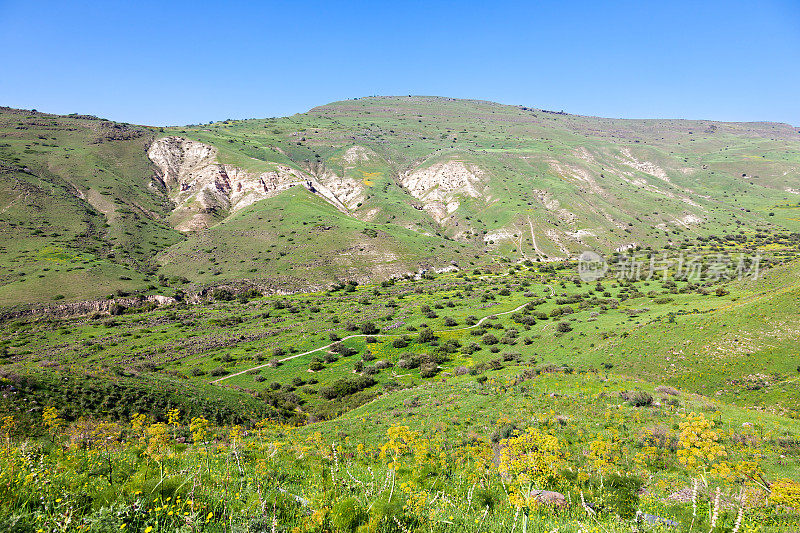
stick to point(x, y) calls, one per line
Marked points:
point(548, 497)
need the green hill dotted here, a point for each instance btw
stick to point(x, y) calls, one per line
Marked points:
point(367, 189)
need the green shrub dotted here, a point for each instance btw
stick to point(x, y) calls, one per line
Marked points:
point(426, 335)
point(346, 386)
point(638, 398)
point(623, 494)
point(222, 295)
point(347, 515)
point(368, 328)
point(428, 369)
point(219, 371)
point(400, 343)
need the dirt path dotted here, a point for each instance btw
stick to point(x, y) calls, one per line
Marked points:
point(22, 196)
point(533, 238)
point(327, 346)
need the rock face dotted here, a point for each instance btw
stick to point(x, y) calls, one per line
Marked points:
point(343, 192)
point(205, 190)
point(357, 154)
point(440, 185)
point(92, 306)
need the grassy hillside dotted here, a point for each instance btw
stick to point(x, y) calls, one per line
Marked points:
point(743, 351)
point(453, 455)
point(371, 318)
point(404, 184)
point(727, 340)
point(415, 405)
point(569, 182)
point(297, 239)
point(81, 213)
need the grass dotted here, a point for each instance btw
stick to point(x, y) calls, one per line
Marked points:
point(98, 371)
point(672, 331)
point(81, 185)
point(517, 147)
point(368, 470)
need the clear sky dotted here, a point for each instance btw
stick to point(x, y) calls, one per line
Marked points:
point(175, 62)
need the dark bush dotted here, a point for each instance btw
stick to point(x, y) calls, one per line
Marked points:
point(563, 327)
point(341, 349)
point(368, 328)
point(428, 369)
point(402, 342)
point(426, 335)
point(346, 386)
point(638, 398)
point(222, 295)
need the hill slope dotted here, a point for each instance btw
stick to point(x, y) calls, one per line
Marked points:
point(367, 189)
point(504, 174)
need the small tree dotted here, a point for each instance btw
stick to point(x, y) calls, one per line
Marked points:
point(402, 342)
point(368, 328)
point(428, 369)
point(426, 335)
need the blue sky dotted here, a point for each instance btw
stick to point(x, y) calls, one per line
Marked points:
point(189, 62)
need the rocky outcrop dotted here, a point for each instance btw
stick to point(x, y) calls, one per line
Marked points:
point(440, 185)
point(91, 306)
point(357, 154)
point(204, 190)
point(343, 192)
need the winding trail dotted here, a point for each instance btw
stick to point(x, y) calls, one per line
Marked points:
point(737, 303)
point(477, 324)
